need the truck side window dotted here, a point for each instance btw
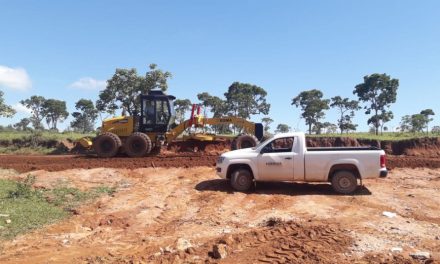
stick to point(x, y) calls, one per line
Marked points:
point(280, 145)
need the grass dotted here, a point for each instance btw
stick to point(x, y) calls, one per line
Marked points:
point(26, 150)
point(45, 135)
point(27, 142)
point(392, 136)
point(28, 208)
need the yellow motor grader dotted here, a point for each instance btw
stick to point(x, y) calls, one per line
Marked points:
point(154, 126)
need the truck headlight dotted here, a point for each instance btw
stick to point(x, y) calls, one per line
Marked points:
point(220, 160)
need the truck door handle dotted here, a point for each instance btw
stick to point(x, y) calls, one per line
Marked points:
point(288, 158)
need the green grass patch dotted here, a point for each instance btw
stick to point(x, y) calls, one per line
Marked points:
point(23, 208)
point(26, 150)
point(45, 135)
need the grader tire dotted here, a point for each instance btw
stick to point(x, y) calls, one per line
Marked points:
point(107, 145)
point(138, 145)
point(244, 141)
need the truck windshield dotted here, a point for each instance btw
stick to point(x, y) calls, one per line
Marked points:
point(262, 142)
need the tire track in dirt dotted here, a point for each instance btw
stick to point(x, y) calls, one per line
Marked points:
point(278, 242)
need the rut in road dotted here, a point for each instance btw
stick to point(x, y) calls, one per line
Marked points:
point(278, 242)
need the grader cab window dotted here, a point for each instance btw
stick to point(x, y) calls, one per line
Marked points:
point(157, 112)
point(162, 112)
point(148, 112)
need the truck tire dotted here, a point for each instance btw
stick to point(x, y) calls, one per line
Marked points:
point(242, 180)
point(344, 182)
point(244, 141)
point(138, 145)
point(107, 145)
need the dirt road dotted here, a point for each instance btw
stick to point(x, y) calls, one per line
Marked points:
point(157, 210)
point(22, 163)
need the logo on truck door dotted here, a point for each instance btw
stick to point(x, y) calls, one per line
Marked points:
point(273, 163)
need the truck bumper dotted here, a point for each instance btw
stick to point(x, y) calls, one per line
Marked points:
point(383, 173)
point(221, 170)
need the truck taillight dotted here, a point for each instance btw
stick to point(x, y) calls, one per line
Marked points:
point(383, 161)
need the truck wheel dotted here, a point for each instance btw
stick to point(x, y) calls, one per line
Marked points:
point(107, 145)
point(344, 182)
point(244, 141)
point(242, 180)
point(138, 145)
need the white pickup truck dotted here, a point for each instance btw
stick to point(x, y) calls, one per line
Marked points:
point(285, 157)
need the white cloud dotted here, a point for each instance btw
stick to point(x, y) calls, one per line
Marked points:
point(14, 78)
point(21, 109)
point(88, 83)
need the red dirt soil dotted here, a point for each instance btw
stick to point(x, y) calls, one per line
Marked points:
point(22, 163)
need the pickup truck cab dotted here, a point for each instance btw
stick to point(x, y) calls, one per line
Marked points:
point(285, 157)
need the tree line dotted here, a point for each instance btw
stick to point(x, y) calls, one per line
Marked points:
point(52, 111)
point(375, 95)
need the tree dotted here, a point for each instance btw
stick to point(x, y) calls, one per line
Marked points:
point(282, 128)
point(54, 111)
point(217, 107)
point(405, 123)
point(331, 128)
point(327, 127)
point(215, 104)
point(266, 123)
point(85, 117)
point(385, 117)
point(435, 130)
point(125, 86)
point(181, 106)
point(312, 106)
point(5, 110)
point(35, 104)
point(244, 100)
point(427, 113)
point(346, 108)
point(418, 122)
point(414, 123)
point(379, 91)
point(23, 124)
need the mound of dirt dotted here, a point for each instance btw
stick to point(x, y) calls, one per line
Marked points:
point(412, 162)
point(215, 147)
point(23, 163)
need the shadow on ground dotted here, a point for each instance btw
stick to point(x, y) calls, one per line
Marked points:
point(283, 188)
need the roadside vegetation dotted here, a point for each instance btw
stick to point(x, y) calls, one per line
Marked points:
point(392, 136)
point(375, 95)
point(43, 135)
point(23, 208)
point(37, 142)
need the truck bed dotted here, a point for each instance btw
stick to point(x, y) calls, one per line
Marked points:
point(341, 148)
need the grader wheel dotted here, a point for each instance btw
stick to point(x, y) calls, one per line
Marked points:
point(107, 145)
point(138, 145)
point(244, 141)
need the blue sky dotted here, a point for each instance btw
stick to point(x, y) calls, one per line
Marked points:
point(283, 46)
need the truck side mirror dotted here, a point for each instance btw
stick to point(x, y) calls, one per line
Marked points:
point(265, 149)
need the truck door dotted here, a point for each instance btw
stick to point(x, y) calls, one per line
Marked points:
point(275, 161)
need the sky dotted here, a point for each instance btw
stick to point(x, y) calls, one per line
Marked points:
point(68, 49)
